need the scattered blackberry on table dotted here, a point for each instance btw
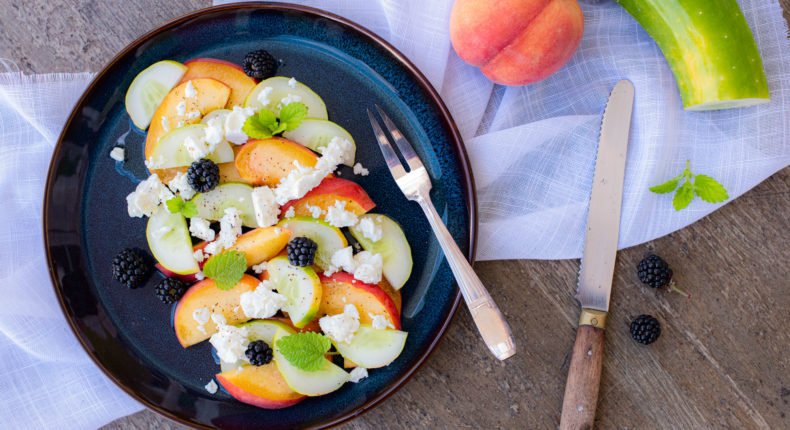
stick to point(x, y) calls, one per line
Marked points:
point(203, 175)
point(645, 329)
point(655, 272)
point(301, 251)
point(169, 290)
point(259, 353)
point(130, 267)
point(259, 64)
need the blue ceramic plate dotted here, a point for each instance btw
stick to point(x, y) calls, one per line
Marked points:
point(129, 332)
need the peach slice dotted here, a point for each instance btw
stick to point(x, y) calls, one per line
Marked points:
point(205, 294)
point(266, 161)
point(211, 94)
point(226, 72)
point(262, 243)
point(341, 289)
point(329, 191)
point(261, 386)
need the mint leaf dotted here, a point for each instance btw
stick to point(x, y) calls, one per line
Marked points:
point(666, 187)
point(189, 209)
point(304, 350)
point(268, 119)
point(709, 190)
point(683, 196)
point(174, 205)
point(292, 115)
point(255, 129)
point(226, 269)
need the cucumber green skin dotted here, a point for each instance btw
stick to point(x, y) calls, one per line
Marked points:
point(214, 212)
point(709, 48)
point(301, 226)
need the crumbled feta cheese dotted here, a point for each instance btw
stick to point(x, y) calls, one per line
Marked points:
point(162, 231)
point(263, 96)
point(230, 342)
point(368, 267)
point(201, 316)
point(290, 213)
point(370, 229)
point(262, 302)
point(200, 276)
point(292, 82)
point(344, 259)
point(190, 90)
point(180, 185)
point(193, 114)
point(181, 108)
point(298, 183)
point(234, 121)
point(180, 124)
point(266, 208)
point(315, 211)
point(201, 229)
point(219, 319)
point(199, 256)
point(166, 123)
point(338, 216)
point(336, 152)
point(152, 164)
point(144, 200)
point(357, 374)
point(290, 98)
point(278, 230)
point(259, 268)
point(211, 387)
point(341, 327)
point(360, 170)
point(197, 148)
point(118, 153)
point(215, 130)
point(380, 322)
point(344, 299)
point(229, 230)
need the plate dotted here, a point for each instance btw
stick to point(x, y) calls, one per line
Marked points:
point(128, 333)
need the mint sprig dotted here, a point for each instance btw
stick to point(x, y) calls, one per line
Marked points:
point(265, 124)
point(703, 186)
point(177, 204)
point(304, 350)
point(226, 269)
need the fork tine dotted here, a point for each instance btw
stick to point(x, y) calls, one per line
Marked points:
point(396, 168)
point(403, 144)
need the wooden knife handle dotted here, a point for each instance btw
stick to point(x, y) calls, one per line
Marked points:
point(584, 377)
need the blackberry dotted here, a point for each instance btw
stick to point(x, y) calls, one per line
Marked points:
point(203, 175)
point(130, 267)
point(259, 64)
point(169, 290)
point(301, 251)
point(645, 329)
point(259, 353)
point(655, 272)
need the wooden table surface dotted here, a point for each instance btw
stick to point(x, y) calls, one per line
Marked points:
point(722, 360)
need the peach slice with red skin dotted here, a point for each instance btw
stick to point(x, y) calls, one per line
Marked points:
point(368, 298)
point(327, 193)
point(267, 161)
point(261, 386)
point(226, 72)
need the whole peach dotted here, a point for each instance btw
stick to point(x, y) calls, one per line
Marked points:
point(516, 42)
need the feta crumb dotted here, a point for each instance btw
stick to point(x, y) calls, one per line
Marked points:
point(230, 342)
point(262, 302)
point(368, 267)
point(357, 374)
point(118, 153)
point(229, 230)
point(259, 268)
point(290, 213)
point(190, 90)
point(211, 387)
point(201, 316)
point(165, 124)
point(215, 130)
point(297, 183)
point(344, 259)
point(344, 299)
point(152, 163)
point(341, 327)
point(234, 121)
point(380, 322)
point(278, 230)
point(360, 170)
point(198, 148)
point(200, 276)
point(263, 96)
point(266, 208)
point(292, 82)
point(370, 229)
point(193, 114)
point(199, 256)
point(290, 98)
point(336, 152)
point(181, 108)
point(180, 185)
point(201, 229)
point(315, 211)
point(144, 200)
point(162, 231)
point(218, 319)
point(180, 124)
point(338, 216)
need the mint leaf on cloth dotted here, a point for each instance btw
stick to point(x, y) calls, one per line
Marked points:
point(304, 350)
point(226, 269)
point(707, 188)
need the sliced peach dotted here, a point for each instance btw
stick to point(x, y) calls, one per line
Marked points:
point(205, 294)
point(341, 289)
point(261, 386)
point(266, 161)
point(392, 292)
point(211, 95)
point(262, 243)
point(224, 71)
point(329, 191)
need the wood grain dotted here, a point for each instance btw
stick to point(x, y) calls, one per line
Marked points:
point(584, 378)
point(721, 361)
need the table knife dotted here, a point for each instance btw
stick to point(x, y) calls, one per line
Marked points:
point(597, 265)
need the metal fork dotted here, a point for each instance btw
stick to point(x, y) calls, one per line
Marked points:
point(416, 185)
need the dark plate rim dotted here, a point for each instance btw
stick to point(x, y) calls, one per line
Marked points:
point(459, 147)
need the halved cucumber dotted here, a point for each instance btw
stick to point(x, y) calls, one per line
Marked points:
point(393, 247)
point(258, 330)
point(169, 241)
point(371, 348)
point(212, 205)
point(173, 151)
point(329, 378)
point(316, 133)
point(149, 88)
point(328, 238)
point(300, 285)
point(280, 89)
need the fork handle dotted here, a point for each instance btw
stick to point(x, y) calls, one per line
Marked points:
point(485, 313)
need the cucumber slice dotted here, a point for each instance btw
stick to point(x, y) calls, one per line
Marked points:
point(329, 378)
point(328, 238)
point(258, 330)
point(371, 348)
point(316, 133)
point(280, 89)
point(212, 205)
point(217, 113)
point(149, 88)
point(393, 247)
point(173, 151)
point(169, 241)
point(300, 285)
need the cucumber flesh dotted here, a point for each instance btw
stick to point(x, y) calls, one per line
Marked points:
point(393, 247)
point(212, 205)
point(258, 330)
point(300, 285)
point(172, 150)
point(317, 133)
point(328, 238)
point(279, 90)
point(371, 348)
point(149, 88)
point(327, 379)
point(169, 241)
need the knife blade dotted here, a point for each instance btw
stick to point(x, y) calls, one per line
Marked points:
point(597, 267)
